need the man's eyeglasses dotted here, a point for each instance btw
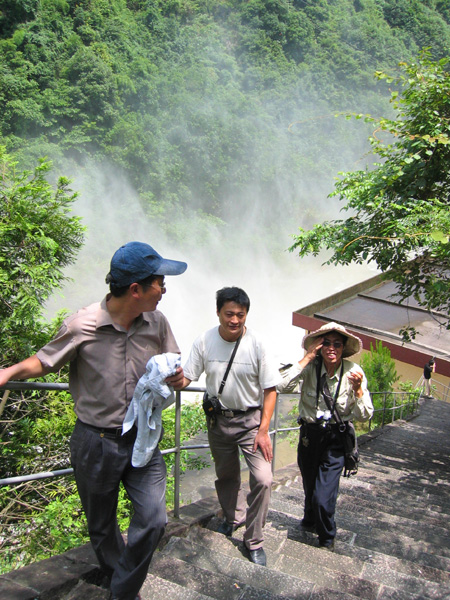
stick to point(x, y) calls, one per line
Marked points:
point(328, 343)
point(162, 286)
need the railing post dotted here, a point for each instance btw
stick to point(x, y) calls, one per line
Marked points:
point(274, 436)
point(384, 409)
point(176, 486)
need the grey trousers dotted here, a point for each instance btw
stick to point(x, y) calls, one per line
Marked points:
point(100, 464)
point(225, 439)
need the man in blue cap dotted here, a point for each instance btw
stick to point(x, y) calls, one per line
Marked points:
point(108, 345)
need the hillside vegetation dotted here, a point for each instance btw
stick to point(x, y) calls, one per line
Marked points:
point(197, 101)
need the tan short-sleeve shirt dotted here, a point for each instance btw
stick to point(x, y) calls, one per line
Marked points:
point(106, 360)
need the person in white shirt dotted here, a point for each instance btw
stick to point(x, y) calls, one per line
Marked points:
point(242, 415)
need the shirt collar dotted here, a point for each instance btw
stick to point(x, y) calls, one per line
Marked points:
point(104, 319)
point(336, 373)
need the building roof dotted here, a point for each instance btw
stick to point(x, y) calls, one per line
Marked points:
point(371, 310)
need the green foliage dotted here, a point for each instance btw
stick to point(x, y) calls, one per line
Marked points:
point(379, 368)
point(408, 387)
point(391, 406)
point(38, 238)
point(197, 102)
point(42, 519)
point(192, 422)
point(381, 375)
point(400, 216)
point(194, 99)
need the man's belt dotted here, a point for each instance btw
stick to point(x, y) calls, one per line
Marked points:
point(109, 432)
point(320, 426)
point(228, 412)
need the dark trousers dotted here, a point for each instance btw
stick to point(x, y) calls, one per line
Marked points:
point(100, 464)
point(320, 458)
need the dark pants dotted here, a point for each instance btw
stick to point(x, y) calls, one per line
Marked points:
point(320, 458)
point(100, 464)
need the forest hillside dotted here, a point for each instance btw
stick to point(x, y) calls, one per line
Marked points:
point(197, 101)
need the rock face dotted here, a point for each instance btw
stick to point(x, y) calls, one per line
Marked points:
point(393, 540)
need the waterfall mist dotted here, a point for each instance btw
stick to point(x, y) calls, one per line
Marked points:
point(242, 250)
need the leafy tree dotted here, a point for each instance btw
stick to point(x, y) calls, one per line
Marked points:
point(399, 210)
point(38, 238)
point(379, 368)
point(193, 98)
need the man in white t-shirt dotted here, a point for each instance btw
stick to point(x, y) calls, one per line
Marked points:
point(242, 418)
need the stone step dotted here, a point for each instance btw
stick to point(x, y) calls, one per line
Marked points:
point(372, 496)
point(342, 573)
point(409, 508)
point(368, 518)
point(86, 591)
point(392, 456)
point(236, 565)
point(370, 582)
point(158, 588)
point(406, 558)
point(204, 552)
point(361, 517)
point(210, 581)
point(387, 468)
point(373, 566)
point(417, 483)
point(54, 577)
point(376, 567)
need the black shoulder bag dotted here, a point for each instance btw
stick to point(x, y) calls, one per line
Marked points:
point(346, 429)
point(211, 404)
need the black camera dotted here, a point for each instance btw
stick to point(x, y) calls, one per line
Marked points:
point(211, 405)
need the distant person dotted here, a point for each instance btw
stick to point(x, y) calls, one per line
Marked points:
point(108, 345)
point(325, 370)
point(429, 368)
point(241, 415)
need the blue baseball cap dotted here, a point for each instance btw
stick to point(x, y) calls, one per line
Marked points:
point(136, 261)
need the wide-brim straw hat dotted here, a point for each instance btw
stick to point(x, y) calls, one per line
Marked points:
point(353, 344)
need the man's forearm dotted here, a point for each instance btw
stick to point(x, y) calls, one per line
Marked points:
point(29, 368)
point(270, 398)
point(186, 382)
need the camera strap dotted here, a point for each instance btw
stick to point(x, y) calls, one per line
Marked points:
point(322, 388)
point(230, 362)
point(331, 402)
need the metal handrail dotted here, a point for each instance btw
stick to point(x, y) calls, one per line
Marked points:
point(410, 404)
point(178, 448)
point(440, 391)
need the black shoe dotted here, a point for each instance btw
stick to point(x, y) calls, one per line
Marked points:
point(308, 526)
point(328, 545)
point(226, 528)
point(258, 557)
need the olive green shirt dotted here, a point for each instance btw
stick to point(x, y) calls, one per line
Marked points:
point(348, 405)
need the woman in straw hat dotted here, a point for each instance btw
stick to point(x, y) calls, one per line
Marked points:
point(330, 383)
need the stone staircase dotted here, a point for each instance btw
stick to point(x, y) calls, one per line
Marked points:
point(393, 540)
